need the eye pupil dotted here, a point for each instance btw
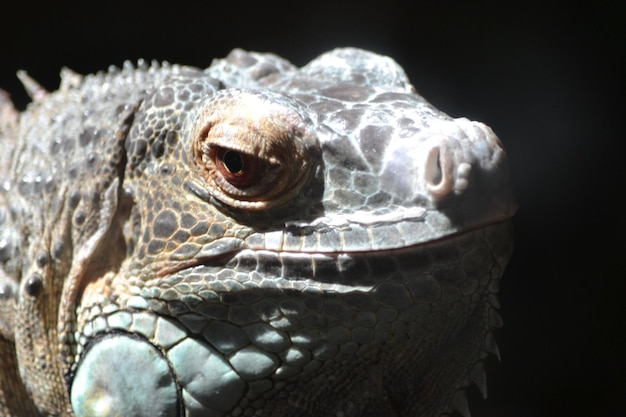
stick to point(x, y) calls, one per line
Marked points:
point(233, 162)
point(237, 168)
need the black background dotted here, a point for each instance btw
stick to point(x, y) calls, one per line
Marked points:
point(548, 78)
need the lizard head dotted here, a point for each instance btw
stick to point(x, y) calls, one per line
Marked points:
point(269, 239)
point(285, 225)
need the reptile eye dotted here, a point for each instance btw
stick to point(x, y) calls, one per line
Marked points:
point(237, 168)
point(253, 149)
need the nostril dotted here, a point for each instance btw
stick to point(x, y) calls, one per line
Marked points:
point(438, 172)
point(433, 174)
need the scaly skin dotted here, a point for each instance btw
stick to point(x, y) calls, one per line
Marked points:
point(251, 239)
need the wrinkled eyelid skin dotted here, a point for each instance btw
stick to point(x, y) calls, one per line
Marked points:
point(271, 140)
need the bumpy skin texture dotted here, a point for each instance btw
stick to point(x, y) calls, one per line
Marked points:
point(251, 239)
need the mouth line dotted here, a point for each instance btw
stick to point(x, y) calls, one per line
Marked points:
point(171, 267)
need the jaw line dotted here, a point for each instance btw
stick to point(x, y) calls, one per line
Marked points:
point(170, 267)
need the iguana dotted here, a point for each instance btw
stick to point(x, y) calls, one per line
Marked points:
point(252, 239)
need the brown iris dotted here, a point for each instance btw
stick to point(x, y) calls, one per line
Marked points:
point(237, 168)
